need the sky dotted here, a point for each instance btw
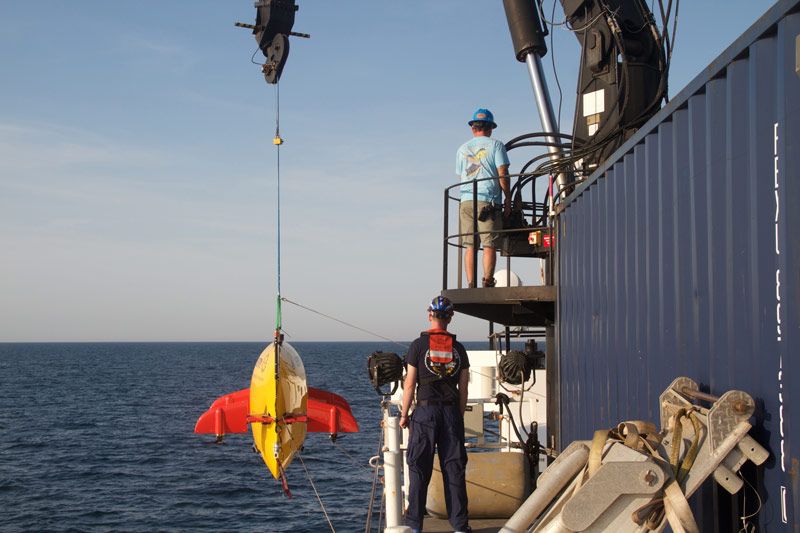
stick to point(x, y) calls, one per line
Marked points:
point(138, 179)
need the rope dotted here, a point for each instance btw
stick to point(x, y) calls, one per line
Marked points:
point(311, 481)
point(748, 527)
point(299, 456)
point(343, 322)
point(367, 470)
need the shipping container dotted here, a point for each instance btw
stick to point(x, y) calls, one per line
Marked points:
point(680, 256)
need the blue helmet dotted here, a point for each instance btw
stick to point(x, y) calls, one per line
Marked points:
point(441, 307)
point(483, 115)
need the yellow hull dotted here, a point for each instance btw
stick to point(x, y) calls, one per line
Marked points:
point(278, 395)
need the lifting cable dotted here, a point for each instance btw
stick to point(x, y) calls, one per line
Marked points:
point(277, 141)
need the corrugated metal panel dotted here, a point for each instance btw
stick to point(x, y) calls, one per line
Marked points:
point(681, 257)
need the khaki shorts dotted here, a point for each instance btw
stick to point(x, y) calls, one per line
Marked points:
point(493, 223)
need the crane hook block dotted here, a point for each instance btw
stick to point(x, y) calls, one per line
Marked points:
point(274, 21)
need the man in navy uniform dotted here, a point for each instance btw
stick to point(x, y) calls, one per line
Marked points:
point(437, 371)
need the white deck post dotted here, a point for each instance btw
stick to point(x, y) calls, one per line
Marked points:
point(392, 463)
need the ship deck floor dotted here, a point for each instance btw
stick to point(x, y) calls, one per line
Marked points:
point(438, 525)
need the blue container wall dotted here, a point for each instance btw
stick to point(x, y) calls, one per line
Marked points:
point(681, 257)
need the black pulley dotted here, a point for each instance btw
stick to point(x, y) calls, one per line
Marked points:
point(515, 367)
point(276, 56)
point(383, 368)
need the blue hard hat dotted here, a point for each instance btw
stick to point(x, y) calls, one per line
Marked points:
point(441, 307)
point(483, 115)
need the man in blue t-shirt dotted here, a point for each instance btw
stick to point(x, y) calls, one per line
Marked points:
point(437, 369)
point(477, 159)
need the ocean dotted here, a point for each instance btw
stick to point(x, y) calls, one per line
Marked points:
point(100, 437)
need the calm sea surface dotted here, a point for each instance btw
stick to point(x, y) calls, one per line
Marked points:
point(101, 437)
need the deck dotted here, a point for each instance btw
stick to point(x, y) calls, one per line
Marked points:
point(438, 525)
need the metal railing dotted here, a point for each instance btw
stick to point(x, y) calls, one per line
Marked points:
point(534, 216)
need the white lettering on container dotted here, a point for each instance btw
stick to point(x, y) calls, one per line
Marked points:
point(784, 510)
